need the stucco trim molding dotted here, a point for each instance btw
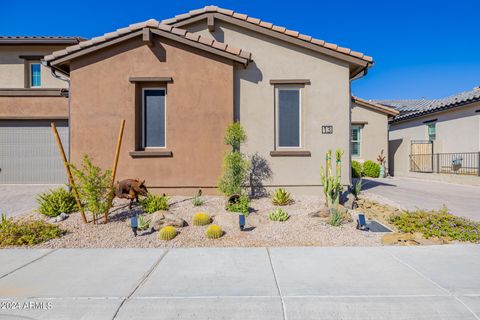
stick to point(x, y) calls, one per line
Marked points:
point(27, 117)
point(29, 92)
point(151, 154)
point(150, 79)
point(290, 81)
point(360, 123)
point(290, 153)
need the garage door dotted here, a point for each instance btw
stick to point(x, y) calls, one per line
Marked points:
point(29, 154)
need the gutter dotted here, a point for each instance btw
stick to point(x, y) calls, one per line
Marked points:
point(62, 77)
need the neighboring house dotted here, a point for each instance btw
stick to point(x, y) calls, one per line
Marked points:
point(436, 136)
point(30, 98)
point(369, 129)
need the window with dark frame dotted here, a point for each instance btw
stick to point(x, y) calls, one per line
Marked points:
point(154, 118)
point(35, 75)
point(288, 119)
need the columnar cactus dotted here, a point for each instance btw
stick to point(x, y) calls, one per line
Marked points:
point(332, 186)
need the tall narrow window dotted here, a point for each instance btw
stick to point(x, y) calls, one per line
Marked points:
point(356, 141)
point(288, 109)
point(432, 131)
point(35, 77)
point(154, 118)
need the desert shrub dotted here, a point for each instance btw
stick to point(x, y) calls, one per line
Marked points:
point(93, 185)
point(167, 233)
point(357, 188)
point(371, 169)
point(336, 217)
point(281, 197)
point(56, 201)
point(278, 215)
point(152, 203)
point(201, 219)
point(437, 223)
point(26, 232)
point(356, 169)
point(241, 206)
point(214, 232)
point(235, 164)
point(197, 201)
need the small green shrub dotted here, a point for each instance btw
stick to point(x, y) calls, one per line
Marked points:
point(152, 203)
point(167, 233)
point(371, 169)
point(56, 201)
point(278, 215)
point(281, 197)
point(214, 232)
point(356, 169)
point(439, 223)
point(235, 136)
point(336, 218)
point(201, 219)
point(93, 185)
point(26, 232)
point(143, 223)
point(197, 201)
point(241, 206)
point(357, 188)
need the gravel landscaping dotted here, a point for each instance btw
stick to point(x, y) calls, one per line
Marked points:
point(298, 230)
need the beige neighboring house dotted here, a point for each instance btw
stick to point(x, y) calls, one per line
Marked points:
point(30, 98)
point(437, 139)
point(369, 129)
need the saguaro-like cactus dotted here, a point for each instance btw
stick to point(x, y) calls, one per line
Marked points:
point(332, 186)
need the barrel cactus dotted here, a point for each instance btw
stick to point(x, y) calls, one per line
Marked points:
point(214, 232)
point(167, 233)
point(201, 219)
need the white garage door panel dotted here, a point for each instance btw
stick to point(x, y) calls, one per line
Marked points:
point(29, 154)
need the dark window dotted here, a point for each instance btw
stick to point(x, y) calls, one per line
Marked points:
point(154, 128)
point(288, 118)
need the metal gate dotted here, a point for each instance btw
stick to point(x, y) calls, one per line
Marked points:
point(29, 154)
point(421, 156)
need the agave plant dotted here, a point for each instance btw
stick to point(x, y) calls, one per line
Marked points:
point(278, 215)
point(281, 197)
point(357, 188)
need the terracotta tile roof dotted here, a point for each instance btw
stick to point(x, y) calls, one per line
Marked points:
point(267, 25)
point(372, 105)
point(40, 39)
point(153, 24)
point(413, 108)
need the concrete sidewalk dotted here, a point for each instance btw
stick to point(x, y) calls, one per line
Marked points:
point(436, 282)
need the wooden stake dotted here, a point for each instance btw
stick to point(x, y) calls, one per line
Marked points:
point(114, 169)
point(69, 174)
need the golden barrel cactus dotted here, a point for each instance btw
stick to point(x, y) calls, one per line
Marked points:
point(214, 232)
point(167, 233)
point(201, 219)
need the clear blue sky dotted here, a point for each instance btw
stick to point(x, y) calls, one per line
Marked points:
point(421, 48)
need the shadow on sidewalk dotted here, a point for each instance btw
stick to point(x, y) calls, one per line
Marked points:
point(368, 184)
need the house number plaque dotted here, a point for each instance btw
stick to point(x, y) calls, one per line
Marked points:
point(327, 129)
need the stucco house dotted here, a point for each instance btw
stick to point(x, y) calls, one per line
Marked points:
point(436, 138)
point(180, 82)
point(30, 98)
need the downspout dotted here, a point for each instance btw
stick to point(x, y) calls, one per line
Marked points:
point(52, 71)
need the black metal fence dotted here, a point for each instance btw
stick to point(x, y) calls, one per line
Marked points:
point(467, 163)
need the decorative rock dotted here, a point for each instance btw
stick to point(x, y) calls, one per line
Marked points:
point(62, 216)
point(227, 220)
point(395, 238)
point(322, 213)
point(161, 219)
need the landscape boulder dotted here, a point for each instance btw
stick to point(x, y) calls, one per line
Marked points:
point(162, 219)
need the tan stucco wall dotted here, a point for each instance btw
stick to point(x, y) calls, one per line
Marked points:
point(33, 107)
point(199, 106)
point(457, 130)
point(12, 67)
point(326, 101)
point(373, 133)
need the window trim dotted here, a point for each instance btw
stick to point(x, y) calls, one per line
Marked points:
point(30, 73)
point(359, 140)
point(143, 119)
point(300, 117)
point(434, 124)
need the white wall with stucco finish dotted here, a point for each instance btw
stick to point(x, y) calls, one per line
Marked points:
point(326, 101)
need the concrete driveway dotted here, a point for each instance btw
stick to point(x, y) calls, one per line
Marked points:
point(437, 282)
point(410, 193)
point(20, 198)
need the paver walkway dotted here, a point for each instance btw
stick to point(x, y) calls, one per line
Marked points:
point(437, 282)
point(410, 193)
